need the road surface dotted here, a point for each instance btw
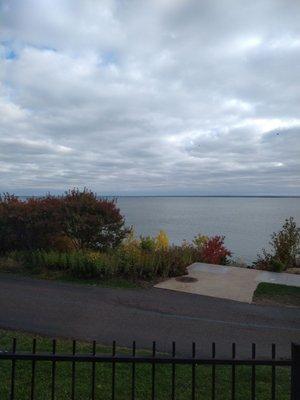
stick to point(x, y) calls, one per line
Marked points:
point(105, 314)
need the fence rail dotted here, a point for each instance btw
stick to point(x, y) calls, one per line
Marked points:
point(153, 359)
point(140, 359)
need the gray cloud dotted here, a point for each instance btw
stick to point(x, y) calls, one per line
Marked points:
point(154, 97)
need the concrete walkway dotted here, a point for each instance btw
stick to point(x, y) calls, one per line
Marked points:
point(226, 282)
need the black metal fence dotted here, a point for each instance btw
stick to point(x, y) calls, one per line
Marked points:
point(154, 359)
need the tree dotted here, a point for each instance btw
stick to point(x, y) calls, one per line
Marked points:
point(284, 247)
point(92, 222)
point(78, 216)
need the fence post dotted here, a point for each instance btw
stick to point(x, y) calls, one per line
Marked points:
point(295, 373)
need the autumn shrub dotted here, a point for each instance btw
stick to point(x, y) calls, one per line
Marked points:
point(76, 220)
point(284, 246)
point(162, 241)
point(144, 264)
point(28, 225)
point(61, 243)
point(133, 263)
point(214, 251)
point(145, 258)
point(91, 222)
point(150, 257)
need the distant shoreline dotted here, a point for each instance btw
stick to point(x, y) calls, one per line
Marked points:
point(195, 196)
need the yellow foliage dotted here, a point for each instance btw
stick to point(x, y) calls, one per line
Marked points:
point(162, 241)
point(93, 255)
point(131, 242)
point(200, 240)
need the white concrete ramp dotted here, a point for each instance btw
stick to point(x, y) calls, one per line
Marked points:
point(225, 282)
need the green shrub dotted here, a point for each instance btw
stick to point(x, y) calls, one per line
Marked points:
point(145, 264)
point(284, 247)
point(39, 259)
point(277, 266)
point(9, 264)
point(133, 263)
point(147, 243)
point(199, 241)
point(82, 267)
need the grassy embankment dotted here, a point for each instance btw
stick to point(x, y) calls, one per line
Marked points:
point(64, 276)
point(114, 282)
point(123, 376)
point(270, 293)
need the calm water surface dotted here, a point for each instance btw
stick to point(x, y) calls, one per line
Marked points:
point(247, 223)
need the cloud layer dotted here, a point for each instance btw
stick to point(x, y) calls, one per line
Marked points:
point(150, 97)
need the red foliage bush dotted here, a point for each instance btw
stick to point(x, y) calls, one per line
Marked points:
point(91, 222)
point(81, 217)
point(214, 251)
point(30, 224)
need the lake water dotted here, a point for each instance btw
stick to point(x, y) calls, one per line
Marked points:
point(247, 223)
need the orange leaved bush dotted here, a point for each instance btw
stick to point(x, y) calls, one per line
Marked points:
point(214, 251)
point(78, 219)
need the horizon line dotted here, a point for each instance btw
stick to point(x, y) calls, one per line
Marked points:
point(183, 195)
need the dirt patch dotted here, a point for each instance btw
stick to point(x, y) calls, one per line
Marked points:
point(186, 279)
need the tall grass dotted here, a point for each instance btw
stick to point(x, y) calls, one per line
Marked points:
point(127, 262)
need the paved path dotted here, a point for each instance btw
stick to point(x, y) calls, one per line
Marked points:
point(227, 282)
point(87, 312)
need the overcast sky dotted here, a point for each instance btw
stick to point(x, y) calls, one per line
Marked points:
point(150, 96)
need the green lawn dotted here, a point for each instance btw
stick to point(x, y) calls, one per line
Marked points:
point(270, 293)
point(123, 376)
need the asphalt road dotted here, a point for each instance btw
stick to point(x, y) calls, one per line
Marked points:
point(104, 314)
